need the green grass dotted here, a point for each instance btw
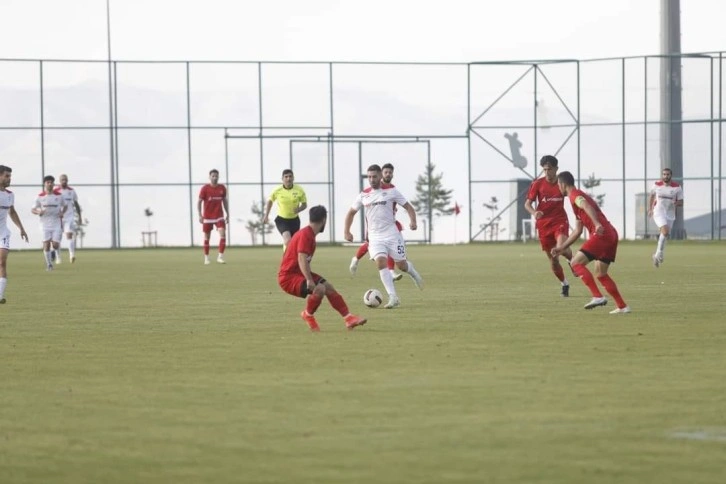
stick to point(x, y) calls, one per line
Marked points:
point(147, 366)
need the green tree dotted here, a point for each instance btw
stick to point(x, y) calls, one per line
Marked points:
point(591, 183)
point(255, 226)
point(431, 197)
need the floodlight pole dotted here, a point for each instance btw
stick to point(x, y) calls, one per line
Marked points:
point(671, 113)
point(114, 228)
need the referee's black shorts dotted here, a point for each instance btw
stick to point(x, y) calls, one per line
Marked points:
point(291, 225)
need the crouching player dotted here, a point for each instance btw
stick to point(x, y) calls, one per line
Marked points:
point(297, 279)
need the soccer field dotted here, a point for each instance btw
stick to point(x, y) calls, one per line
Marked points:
point(147, 366)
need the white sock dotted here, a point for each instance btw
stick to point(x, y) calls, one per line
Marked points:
point(48, 260)
point(661, 243)
point(72, 247)
point(411, 271)
point(565, 283)
point(3, 284)
point(387, 281)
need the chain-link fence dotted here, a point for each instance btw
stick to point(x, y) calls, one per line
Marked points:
point(134, 136)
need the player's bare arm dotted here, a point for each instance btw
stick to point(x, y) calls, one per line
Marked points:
point(577, 231)
point(348, 224)
point(225, 204)
point(199, 210)
point(532, 211)
point(411, 215)
point(651, 204)
point(268, 207)
point(592, 214)
point(302, 261)
point(16, 220)
point(301, 207)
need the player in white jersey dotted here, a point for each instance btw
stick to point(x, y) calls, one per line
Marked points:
point(384, 238)
point(7, 207)
point(50, 208)
point(72, 215)
point(665, 196)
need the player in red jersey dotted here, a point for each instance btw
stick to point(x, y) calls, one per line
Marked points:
point(601, 246)
point(551, 219)
point(213, 196)
point(297, 278)
point(387, 171)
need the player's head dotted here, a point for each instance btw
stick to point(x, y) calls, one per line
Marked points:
point(63, 180)
point(387, 172)
point(318, 217)
point(375, 176)
point(214, 176)
point(666, 175)
point(288, 178)
point(549, 167)
point(5, 175)
point(566, 182)
point(48, 182)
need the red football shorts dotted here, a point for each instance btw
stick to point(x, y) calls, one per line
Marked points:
point(296, 285)
point(206, 228)
point(601, 247)
point(548, 235)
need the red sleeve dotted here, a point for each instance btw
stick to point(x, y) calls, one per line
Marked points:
point(307, 244)
point(203, 192)
point(533, 191)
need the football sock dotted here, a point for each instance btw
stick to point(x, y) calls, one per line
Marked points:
point(222, 245)
point(206, 247)
point(410, 269)
point(391, 263)
point(362, 250)
point(586, 276)
point(661, 243)
point(48, 257)
point(72, 247)
point(3, 284)
point(612, 289)
point(338, 303)
point(559, 273)
point(313, 303)
point(387, 281)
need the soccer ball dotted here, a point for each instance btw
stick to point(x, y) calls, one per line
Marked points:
point(372, 298)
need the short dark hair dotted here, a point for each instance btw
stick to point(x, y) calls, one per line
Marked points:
point(566, 178)
point(374, 167)
point(287, 171)
point(668, 170)
point(387, 165)
point(317, 214)
point(548, 159)
point(214, 170)
point(49, 178)
point(5, 169)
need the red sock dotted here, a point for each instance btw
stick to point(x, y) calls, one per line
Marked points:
point(586, 277)
point(391, 263)
point(222, 245)
point(612, 289)
point(338, 303)
point(559, 273)
point(206, 247)
point(362, 250)
point(313, 303)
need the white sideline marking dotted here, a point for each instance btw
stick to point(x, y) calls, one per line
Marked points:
point(703, 435)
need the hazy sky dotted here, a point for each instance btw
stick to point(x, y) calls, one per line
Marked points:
point(371, 30)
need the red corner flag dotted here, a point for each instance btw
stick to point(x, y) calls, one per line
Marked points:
point(457, 208)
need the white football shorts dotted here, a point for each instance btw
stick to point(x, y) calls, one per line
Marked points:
point(5, 239)
point(393, 246)
point(69, 225)
point(661, 220)
point(52, 233)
